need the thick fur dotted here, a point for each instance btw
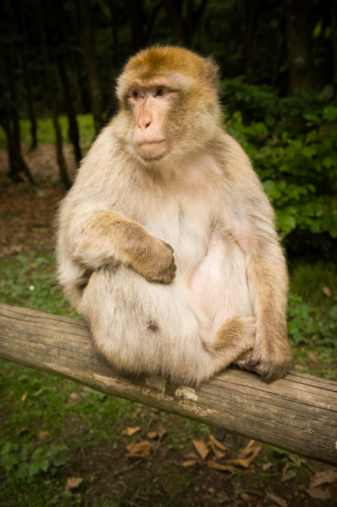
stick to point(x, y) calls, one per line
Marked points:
point(171, 254)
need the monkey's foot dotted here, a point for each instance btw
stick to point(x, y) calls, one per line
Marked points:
point(270, 368)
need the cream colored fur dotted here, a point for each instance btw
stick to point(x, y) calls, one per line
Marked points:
point(228, 295)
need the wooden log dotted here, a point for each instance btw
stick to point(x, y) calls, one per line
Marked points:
point(297, 413)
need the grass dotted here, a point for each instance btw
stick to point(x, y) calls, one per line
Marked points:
point(52, 430)
point(46, 134)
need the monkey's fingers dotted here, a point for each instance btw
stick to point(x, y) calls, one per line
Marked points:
point(167, 275)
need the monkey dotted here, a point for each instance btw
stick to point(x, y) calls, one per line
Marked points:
point(166, 241)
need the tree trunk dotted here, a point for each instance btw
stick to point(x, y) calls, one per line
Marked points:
point(334, 42)
point(52, 94)
point(17, 164)
point(296, 413)
point(90, 56)
point(11, 125)
point(247, 43)
point(17, 7)
point(59, 41)
point(184, 26)
point(137, 25)
point(298, 30)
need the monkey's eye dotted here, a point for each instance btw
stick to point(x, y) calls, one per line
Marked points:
point(160, 91)
point(135, 94)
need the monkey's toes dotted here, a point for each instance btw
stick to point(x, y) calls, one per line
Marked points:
point(270, 372)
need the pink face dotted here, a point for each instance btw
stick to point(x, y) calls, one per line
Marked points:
point(150, 105)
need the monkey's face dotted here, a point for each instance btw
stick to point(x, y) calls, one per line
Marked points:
point(150, 108)
point(169, 104)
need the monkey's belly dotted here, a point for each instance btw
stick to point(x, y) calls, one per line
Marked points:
point(209, 272)
point(219, 282)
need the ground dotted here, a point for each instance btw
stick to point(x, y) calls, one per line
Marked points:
point(138, 456)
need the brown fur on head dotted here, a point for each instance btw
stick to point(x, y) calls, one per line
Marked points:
point(194, 111)
point(176, 64)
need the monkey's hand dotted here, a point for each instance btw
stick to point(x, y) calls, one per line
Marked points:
point(270, 357)
point(154, 260)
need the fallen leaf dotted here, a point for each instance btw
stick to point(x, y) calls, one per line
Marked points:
point(219, 466)
point(266, 466)
point(248, 449)
point(22, 430)
point(73, 482)
point(190, 463)
point(319, 493)
point(298, 367)
point(131, 431)
point(137, 411)
point(139, 450)
point(152, 434)
point(162, 432)
point(277, 499)
point(240, 462)
point(23, 397)
point(326, 292)
point(245, 462)
point(324, 477)
point(201, 448)
point(217, 453)
point(218, 444)
point(42, 435)
point(246, 498)
point(313, 358)
point(74, 396)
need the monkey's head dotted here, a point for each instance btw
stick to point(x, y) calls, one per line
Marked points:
point(169, 104)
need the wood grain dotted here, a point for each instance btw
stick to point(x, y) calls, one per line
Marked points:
point(297, 413)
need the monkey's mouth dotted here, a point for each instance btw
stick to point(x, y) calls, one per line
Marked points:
point(153, 149)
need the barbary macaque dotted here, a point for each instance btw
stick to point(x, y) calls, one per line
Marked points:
point(166, 241)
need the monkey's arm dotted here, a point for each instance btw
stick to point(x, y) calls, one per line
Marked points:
point(104, 237)
point(250, 219)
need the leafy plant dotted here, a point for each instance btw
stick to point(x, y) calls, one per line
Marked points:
point(21, 461)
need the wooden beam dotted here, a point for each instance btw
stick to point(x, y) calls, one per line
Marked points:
point(297, 413)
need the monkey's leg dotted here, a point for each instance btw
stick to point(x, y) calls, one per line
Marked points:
point(144, 327)
point(220, 287)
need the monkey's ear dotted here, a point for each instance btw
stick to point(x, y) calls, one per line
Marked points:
point(212, 73)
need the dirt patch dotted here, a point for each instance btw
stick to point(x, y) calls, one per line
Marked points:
point(27, 214)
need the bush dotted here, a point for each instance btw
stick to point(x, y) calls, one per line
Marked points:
point(292, 143)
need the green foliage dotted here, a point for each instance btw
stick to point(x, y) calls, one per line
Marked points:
point(312, 316)
point(292, 143)
point(30, 281)
point(21, 462)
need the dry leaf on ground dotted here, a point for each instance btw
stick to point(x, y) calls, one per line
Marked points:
point(190, 463)
point(131, 431)
point(74, 396)
point(326, 292)
point(41, 435)
point(217, 453)
point(220, 467)
point(277, 499)
point(324, 477)
point(218, 444)
point(251, 449)
point(152, 434)
point(73, 482)
point(319, 493)
point(201, 448)
point(139, 450)
point(313, 358)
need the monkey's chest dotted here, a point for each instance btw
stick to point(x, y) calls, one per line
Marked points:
point(187, 232)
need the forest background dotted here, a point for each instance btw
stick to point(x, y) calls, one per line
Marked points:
point(58, 63)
